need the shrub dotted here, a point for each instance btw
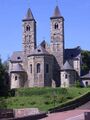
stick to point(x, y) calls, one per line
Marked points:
point(47, 102)
point(3, 103)
point(78, 84)
point(33, 103)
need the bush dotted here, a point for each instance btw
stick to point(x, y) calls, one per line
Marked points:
point(78, 84)
point(3, 103)
point(47, 102)
point(12, 92)
point(33, 103)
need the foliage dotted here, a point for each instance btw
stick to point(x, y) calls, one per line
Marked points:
point(43, 98)
point(3, 103)
point(78, 84)
point(39, 91)
point(6, 65)
point(4, 79)
point(85, 61)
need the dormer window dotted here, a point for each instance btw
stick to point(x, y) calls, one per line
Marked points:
point(27, 28)
point(39, 50)
point(56, 26)
point(18, 58)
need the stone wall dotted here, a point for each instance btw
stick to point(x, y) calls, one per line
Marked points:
point(42, 78)
point(57, 40)
point(25, 112)
point(34, 78)
point(48, 75)
point(77, 66)
point(68, 78)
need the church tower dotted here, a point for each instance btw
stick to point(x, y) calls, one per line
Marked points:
point(29, 33)
point(57, 37)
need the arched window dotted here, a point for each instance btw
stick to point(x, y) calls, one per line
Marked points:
point(27, 28)
point(30, 68)
point(86, 83)
point(47, 68)
point(56, 26)
point(16, 78)
point(38, 68)
point(66, 76)
point(18, 58)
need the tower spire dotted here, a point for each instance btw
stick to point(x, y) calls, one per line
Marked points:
point(29, 14)
point(57, 12)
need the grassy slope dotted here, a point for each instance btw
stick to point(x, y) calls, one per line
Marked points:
point(43, 98)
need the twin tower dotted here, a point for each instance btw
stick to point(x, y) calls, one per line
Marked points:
point(38, 66)
point(57, 35)
point(56, 47)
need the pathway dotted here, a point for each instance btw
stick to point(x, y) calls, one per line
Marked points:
point(77, 114)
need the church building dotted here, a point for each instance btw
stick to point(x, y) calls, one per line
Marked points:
point(44, 65)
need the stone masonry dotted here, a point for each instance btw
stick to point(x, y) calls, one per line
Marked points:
point(46, 65)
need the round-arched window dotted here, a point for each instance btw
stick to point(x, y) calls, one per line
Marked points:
point(38, 68)
point(27, 28)
point(56, 26)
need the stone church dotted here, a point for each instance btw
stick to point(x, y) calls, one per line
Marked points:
point(44, 65)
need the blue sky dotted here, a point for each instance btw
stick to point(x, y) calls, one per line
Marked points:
point(75, 12)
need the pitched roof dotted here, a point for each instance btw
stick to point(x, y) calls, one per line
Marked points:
point(17, 56)
point(56, 12)
point(39, 51)
point(17, 68)
point(29, 15)
point(86, 76)
point(72, 53)
point(67, 66)
point(44, 44)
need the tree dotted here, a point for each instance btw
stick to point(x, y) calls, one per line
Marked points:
point(85, 61)
point(4, 80)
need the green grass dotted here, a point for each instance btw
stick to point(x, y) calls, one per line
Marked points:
point(43, 98)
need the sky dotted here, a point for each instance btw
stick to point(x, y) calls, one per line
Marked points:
point(76, 25)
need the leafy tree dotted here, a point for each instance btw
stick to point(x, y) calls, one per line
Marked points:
point(4, 80)
point(85, 61)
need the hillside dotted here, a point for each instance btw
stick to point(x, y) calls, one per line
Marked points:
point(42, 98)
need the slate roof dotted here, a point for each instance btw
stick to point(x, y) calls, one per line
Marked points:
point(29, 15)
point(17, 56)
point(17, 68)
point(67, 66)
point(43, 44)
point(57, 12)
point(86, 76)
point(72, 53)
point(39, 51)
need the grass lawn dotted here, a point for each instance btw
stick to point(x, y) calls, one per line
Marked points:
point(42, 98)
